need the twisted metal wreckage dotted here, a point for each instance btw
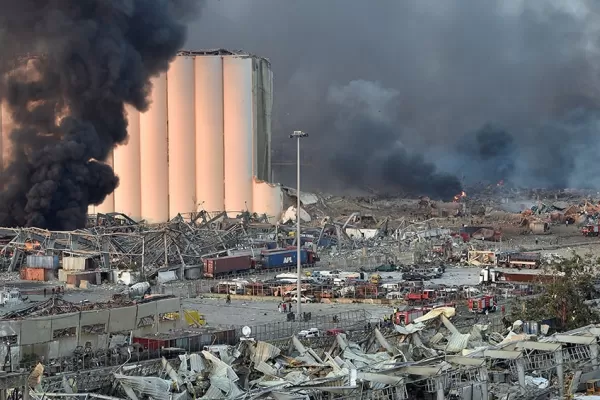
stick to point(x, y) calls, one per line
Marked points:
point(430, 358)
point(116, 240)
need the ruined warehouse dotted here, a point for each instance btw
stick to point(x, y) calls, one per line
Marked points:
point(54, 328)
point(203, 144)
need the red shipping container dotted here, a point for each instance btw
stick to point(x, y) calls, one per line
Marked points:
point(37, 274)
point(214, 267)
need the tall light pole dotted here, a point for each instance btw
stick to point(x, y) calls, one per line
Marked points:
point(298, 135)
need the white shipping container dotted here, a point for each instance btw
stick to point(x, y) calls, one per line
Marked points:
point(75, 263)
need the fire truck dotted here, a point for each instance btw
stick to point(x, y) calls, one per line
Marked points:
point(590, 230)
point(519, 260)
point(407, 316)
point(416, 295)
point(482, 304)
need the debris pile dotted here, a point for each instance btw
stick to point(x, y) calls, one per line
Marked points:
point(436, 355)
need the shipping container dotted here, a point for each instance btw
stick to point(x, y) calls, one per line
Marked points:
point(214, 267)
point(286, 258)
point(274, 250)
point(77, 263)
point(48, 262)
point(37, 274)
point(189, 342)
point(76, 278)
point(151, 344)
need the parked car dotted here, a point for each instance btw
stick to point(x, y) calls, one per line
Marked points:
point(303, 299)
point(309, 333)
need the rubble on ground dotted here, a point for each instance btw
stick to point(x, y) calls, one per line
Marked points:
point(428, 358)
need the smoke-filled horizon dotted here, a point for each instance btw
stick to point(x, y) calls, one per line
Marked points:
point(419, 97)
point(67, 104)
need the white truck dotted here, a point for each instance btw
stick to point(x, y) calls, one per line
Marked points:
point(11, 297)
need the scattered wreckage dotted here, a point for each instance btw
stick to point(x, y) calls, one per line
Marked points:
point(432, 357)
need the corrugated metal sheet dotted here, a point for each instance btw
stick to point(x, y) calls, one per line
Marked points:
point(457, 343)
point(196, 363)
point(156, 388)
point(48, 262)
point(264, 351)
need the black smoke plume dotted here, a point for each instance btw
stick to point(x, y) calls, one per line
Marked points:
point(91, 57)
point(555, 153)
point(489, 154)
point(369, 154)
point(529, 68)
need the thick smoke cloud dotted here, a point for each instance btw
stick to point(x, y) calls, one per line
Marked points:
point(67, 104)
point(488, 154)
point(526, 68)
point(365, 110)
point(555, 153)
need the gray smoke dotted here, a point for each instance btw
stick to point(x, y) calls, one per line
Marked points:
point(525, 68)
point(488, 154)
point(92, 57)
point(366, 109)
point(555, 153)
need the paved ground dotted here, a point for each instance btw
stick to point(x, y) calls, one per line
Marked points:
point(262, 312)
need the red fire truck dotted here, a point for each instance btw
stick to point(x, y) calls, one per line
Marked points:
point(483, 304)
point(407, 316)
point(416, 295)
point(590, 230)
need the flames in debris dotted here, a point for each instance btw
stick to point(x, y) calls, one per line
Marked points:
point(459, 196)
point(97, 55)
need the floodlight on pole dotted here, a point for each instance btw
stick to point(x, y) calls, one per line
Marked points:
point(298, 135)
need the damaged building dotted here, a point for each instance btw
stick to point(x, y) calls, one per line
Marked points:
point(437, 356)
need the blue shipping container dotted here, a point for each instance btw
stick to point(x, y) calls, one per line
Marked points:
point(284, 259)
point(47, 262)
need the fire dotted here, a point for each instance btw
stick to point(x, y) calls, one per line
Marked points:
point(459, 196)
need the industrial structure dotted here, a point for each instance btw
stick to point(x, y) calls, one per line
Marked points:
point(204, 144)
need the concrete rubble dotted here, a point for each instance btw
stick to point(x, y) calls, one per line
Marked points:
point(431, 358)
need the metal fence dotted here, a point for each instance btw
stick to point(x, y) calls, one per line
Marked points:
point(279, 330)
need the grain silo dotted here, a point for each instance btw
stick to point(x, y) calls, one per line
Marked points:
point(204, 143)
point(126, 160)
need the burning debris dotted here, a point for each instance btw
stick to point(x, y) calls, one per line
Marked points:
point(459, 196)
